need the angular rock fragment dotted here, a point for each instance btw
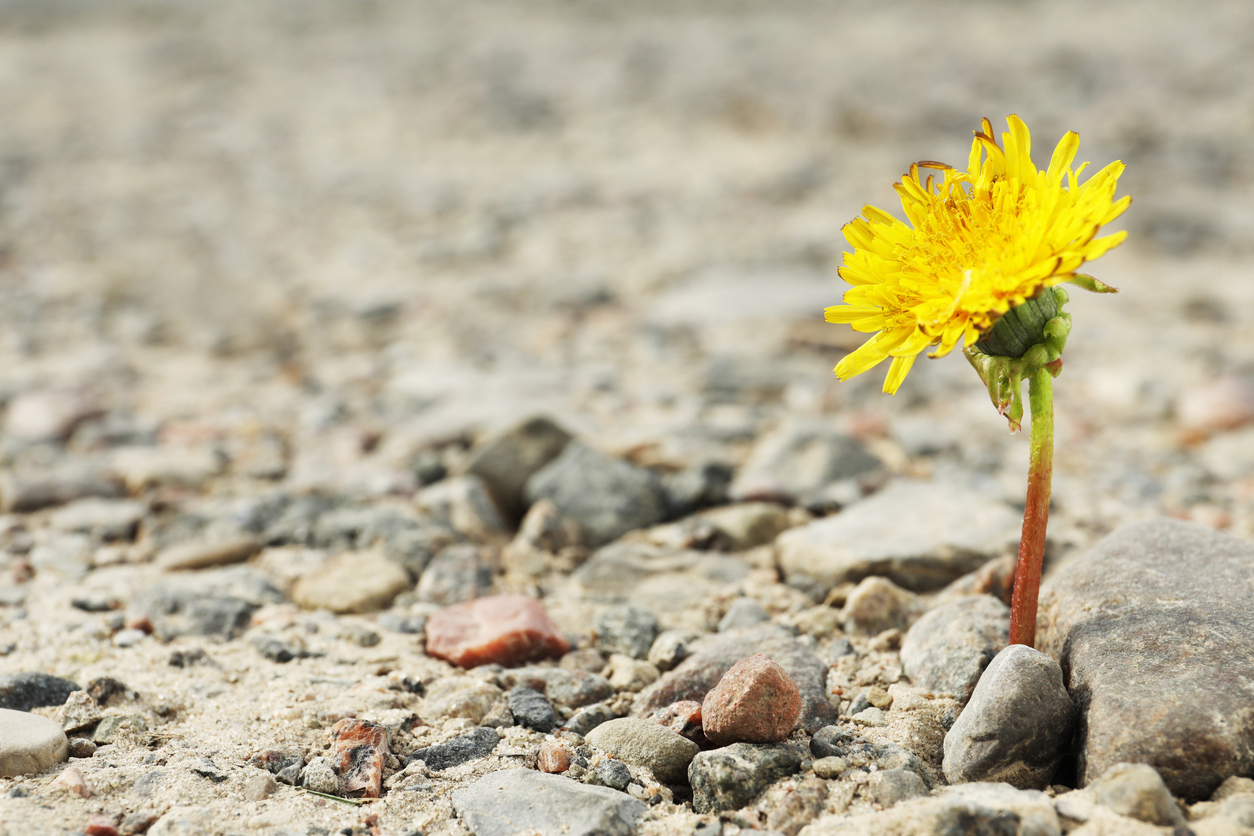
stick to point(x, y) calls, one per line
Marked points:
point(626, 629)
point(754, 702)
point(531, 710)
point(358, 755)
point(712, 656)
point(352, 582)
point(730, 778)
point(501, 629)
point(32, 689)
point(1017, 725)
point(506, 461)
point(477, 743)
point(457, 573)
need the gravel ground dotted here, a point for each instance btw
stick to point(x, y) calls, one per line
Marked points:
point(257, 252)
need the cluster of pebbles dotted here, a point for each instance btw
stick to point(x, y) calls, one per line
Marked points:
point(418, 419)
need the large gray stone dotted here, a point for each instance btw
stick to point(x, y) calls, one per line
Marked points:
point(1017, 725)
point(921, 535)
point(1153, 628)
point(32, 689)
point(950, 646)
point(713, 655)
point(515, 801)
point(607, 497)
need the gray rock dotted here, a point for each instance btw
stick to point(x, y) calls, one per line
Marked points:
point(607, 497)
point(611, 773)
point(104, 519)
point(1017, 725)
point(531, 710)
point(731, 777)
point(743, 613)
point(713, 655)
point(206, 553)
point(109, 729)
point(31, 689)
point(506, 461)
point(921, 535)
point(948, 649)
point(1137, 791)
point(457, 573)
point(662, 579)
point(583, 722)
point(29, 743)
point(465, 505)
point(1160, 668)
point(477, 743)
point(24, 492)
point(891, 786)
point(319, 776)
point(413, 547)
point(670, 648)
point(877, 604)
point(695, 487)
point(648, 744)
point(216, 602)
point(797, 460)
point(995, 808)
point(514, 801)
point(568, 687)
point(626, 629)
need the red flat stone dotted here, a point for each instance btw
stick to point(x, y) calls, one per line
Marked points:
point(360, 748)
point(756, 701)
point(502, 629)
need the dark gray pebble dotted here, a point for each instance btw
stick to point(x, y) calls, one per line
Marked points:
point(731, 777)
point(31, 689)
point(531, 709)
point(611, 773)
point(626, 629)
point(477, 743)
point(589, 718)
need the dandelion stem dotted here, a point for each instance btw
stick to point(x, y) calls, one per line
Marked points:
point(1036, 513)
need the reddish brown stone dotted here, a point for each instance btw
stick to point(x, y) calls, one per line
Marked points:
point(502, 629)
point(755, 702)
point(360, 748)
point(552, 757)
point(102, 825)
point(684, 718)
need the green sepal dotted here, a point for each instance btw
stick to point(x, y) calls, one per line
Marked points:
point(1091, 284)
point(1004, 376)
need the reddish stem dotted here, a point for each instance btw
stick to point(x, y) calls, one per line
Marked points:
point(1036, 513)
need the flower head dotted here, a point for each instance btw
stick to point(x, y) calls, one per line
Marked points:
point(978, 243)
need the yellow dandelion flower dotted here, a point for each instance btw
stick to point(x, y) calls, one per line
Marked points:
point(979, 242)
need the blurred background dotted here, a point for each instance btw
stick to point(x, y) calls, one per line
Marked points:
point(330, 244)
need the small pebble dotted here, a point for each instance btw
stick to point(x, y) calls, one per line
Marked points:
point(477, 743)
point(871, 717)
point(552, 757)
point(532, 710)
point(259, 786)
point(320, 776)
point(81, 747)
point(628, 674)
point(755, 701)
point(352, 582)
point(877, 604)
point(189, 556)
point(1137, 791)
point(101, 824)
point(73, 780)
point(128, 638)
point(830, 767)
point(505, 629)
point(683, 717)
point(669, 649)
point(611, 773)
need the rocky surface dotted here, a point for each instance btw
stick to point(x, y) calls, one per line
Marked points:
point(1125, 649)
point(323, 326)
